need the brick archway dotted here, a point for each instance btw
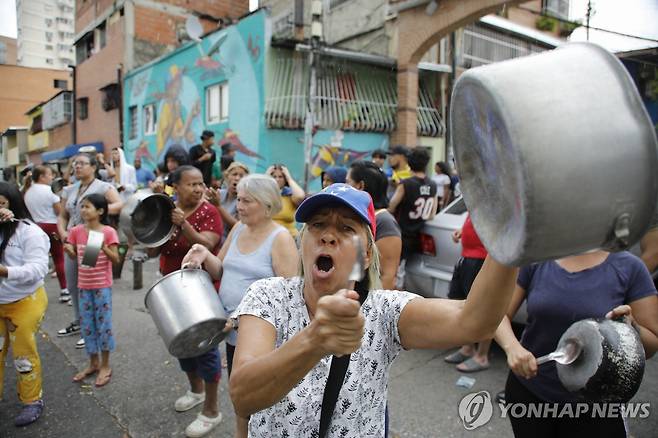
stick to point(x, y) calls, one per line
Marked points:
point(417, 32)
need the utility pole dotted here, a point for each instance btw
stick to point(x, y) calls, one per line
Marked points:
point(313, 56)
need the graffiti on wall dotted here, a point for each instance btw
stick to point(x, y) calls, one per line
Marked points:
point(169, 101)
point(330, 148)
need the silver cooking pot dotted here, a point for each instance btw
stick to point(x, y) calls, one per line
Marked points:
point(556, 154)
point(93, 248)
point(147, 217)
point(187, 312)
point(611, 362)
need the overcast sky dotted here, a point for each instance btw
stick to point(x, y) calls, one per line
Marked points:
point(634, 17)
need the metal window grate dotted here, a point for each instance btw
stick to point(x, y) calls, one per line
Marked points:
point(349, 96)
point(483, 46)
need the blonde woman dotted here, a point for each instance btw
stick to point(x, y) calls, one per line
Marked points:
point(291, 196)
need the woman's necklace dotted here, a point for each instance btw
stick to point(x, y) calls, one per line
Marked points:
point(81, 192)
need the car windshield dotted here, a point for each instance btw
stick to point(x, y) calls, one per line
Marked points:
point(457, 207)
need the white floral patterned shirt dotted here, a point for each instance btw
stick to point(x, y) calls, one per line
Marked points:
point(360, 406)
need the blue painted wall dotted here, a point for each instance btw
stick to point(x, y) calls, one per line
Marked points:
point(237, 55)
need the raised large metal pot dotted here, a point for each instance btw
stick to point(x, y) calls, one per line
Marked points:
point(611, 362)
point(187, 312)
point(556, 154)
point(147, 217)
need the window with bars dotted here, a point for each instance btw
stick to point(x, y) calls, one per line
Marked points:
point(217, 103)
point(150, 119)
point(481, 45)
point(132, 117)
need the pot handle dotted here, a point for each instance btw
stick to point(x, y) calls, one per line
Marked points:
point(187, 267)
point(622, 229)
point(204, 344)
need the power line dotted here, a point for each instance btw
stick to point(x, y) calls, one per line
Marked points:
point(587, 27)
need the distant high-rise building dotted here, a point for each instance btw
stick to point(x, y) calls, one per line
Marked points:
point(7, 50)
point(46, 31)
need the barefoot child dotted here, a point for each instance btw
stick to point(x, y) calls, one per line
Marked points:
point(95, 286)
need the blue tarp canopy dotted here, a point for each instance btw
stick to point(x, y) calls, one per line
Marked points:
point(69, 151)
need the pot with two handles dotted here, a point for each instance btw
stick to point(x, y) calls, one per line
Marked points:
point(187, 312)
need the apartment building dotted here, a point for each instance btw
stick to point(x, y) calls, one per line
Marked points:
point(7, 50)
point(45, 33)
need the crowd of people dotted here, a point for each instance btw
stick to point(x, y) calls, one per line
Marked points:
point(282, 262)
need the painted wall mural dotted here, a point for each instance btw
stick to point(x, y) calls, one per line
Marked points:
point(166, 101)
point(176, 85)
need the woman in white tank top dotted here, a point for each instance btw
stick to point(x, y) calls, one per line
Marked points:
point(256, 248)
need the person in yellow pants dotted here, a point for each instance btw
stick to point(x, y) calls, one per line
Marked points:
point(24, 254)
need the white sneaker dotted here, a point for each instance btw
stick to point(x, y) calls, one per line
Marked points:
point(202, 426)
point(80, 344)
point(64, 296)
point(188, 401)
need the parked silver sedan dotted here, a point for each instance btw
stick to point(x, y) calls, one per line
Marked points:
point(429, 274)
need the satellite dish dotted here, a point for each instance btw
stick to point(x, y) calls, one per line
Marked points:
point(194, 28)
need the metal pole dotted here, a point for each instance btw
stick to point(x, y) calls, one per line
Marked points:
point(120, 103)
point(309, 123)
point(74, 108)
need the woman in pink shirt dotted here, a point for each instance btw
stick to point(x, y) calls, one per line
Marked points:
point(95, 287)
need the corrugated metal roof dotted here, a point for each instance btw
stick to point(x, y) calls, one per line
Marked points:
point(349, 96)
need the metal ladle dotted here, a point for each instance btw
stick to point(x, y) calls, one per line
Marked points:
point(564, 355)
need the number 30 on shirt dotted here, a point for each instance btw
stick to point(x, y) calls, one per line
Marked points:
point(423, 209)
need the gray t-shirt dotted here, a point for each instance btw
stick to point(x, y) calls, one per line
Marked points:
point(387, 226)
point(72, 197)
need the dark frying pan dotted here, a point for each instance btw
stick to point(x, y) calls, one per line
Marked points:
point(611, 362)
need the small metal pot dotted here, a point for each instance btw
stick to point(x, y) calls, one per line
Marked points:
point(92, 249)
point(187, 312)
point(57, 185)
point(556, 154)
point(147, 218)
point(611, 363)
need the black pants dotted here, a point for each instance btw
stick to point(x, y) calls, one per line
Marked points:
point(463, 277)
point(582, 427)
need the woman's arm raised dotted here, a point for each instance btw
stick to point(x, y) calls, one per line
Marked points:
point(439, 323)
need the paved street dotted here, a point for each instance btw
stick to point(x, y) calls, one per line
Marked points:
point(423, 397)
